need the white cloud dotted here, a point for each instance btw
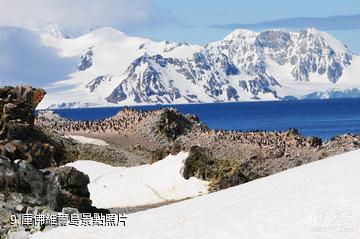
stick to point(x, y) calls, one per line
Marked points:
point(79, 13)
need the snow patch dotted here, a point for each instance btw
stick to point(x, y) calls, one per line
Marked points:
point(142, 185)
point(87, 140)
point(317, 200)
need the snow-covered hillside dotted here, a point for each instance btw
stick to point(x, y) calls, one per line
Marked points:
point(317, 200)
point(138, 186)
point(107, 67)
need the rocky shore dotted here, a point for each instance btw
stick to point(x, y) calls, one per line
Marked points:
point(226, 158)
point(33, 151)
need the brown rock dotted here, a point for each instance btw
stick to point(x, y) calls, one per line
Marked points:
point(42, 155)
point(16, 110)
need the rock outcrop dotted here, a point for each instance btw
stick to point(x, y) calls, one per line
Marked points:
point(172, 123)
point(17, 106)
point(73, 188)
point(19, 139)
point(29, 159)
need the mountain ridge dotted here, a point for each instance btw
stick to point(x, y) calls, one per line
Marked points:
point(116, 69)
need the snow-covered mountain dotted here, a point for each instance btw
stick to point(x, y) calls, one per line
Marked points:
point(107, 67)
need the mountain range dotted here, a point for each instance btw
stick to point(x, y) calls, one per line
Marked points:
point(106, 67)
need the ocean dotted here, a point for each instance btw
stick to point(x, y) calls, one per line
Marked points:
point(321, 118)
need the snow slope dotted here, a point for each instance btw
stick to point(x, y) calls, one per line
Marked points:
point(320, 200)
point(143, 185)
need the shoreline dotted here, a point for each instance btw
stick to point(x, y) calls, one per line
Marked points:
point(331, 119)
point(197, 103)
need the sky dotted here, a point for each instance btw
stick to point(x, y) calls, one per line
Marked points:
point(194, 21)
point(206, 21)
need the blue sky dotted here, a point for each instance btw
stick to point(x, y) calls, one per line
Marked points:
point(194, 21)
point(201, 22)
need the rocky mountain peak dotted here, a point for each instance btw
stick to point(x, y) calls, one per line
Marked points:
point(245, 65)
point(86, 60)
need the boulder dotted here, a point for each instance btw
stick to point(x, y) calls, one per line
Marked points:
point(55, 187)
point(73, 186)
point(33, 187)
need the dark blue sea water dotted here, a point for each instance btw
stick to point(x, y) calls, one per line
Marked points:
point(322, 118)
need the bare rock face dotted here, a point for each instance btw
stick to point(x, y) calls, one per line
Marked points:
point(74, 192)
point(16, 110)
point(29, 156)
point(37, 188)
point(24, 150)
point(18, 139)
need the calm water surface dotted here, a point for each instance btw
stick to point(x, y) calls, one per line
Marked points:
point(322, 118)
